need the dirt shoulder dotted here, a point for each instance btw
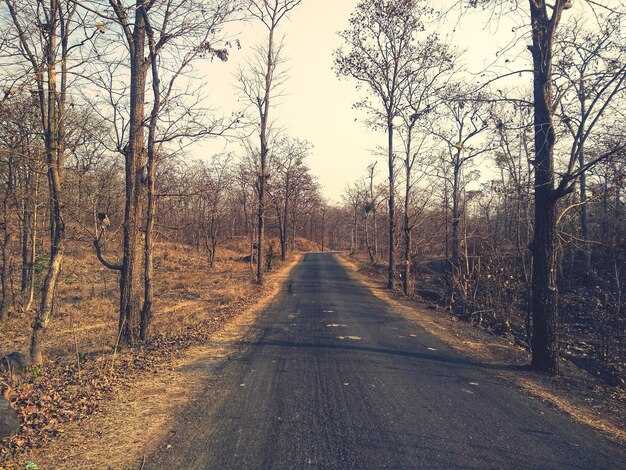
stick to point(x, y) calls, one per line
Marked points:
point(139, 411)
point(586, 398)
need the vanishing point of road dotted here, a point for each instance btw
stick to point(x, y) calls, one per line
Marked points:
point(334, 379)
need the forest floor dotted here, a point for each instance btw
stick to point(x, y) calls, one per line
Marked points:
point(576, 391)
point(108, 408)
point(91, 398)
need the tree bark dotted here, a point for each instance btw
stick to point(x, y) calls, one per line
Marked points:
point(408, 166)
point(372, 247)
point(544, 344)
point(285, 224)
point(7, 237)
point(27, 230)
point(455, 216)
point(407, 230)
point(135, 158)
point(264, 114)
point(148, 302)
point(33, 250)
point(53, 132)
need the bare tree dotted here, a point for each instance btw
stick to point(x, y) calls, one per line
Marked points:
point(191, 30)
point(371, 209)
point(289, 175)
point(545, 21)
point(258, 85)
point(9, 208)
point(426, 79)
point(590, 75)
point(44, 46)
point(379, 53)
point(464, 122)
point(214, 193)
point(192, 38)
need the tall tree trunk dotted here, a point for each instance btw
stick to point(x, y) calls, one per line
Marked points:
point(407, 230)
point(353, 238)
point(264, 113)
point(454, 233)
point(285, 229)
point(27, 221)
point(375, 232)
point(135, 156)
point(584, 218)
point(323, 228)
point(7, 236)
point(545, 346)
point(33, 249)
point(27, 264)
point(261, 216)
point(368, 242)
point(391, 268)
point(148, 303)
point(292, 238)
point(53, 133)
point(544, 287)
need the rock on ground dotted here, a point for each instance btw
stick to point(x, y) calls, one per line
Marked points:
point(9, 423)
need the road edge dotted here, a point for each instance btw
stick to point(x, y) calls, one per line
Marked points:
point(525, 380)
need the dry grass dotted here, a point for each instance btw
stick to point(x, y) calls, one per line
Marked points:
point(138, 417)
point(576, 392)
point(193, 304)
point(187, 293)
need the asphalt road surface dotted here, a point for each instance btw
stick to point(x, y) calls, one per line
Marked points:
point(334, 380)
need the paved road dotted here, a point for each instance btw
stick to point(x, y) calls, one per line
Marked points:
point(335, 380)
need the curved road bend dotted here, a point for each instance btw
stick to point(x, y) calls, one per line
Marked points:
point(335, 380)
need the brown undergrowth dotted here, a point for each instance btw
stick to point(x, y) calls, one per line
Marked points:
point(102, 407)
point(585, 398)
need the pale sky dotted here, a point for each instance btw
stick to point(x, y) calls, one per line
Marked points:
point(316, 105)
